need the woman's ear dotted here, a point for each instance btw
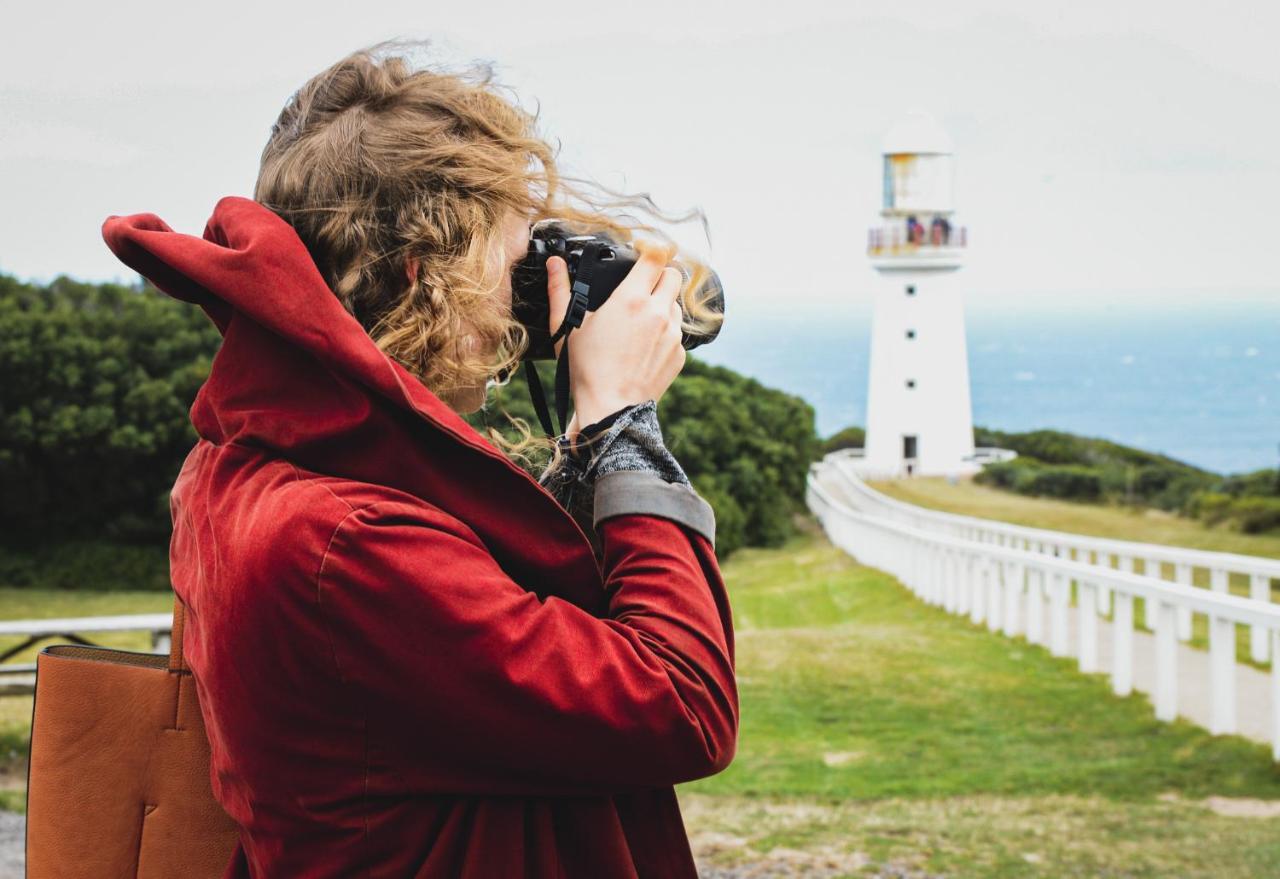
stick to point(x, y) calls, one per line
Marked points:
point(411, 269)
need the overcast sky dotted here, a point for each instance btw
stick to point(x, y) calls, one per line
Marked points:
point(1101, 147)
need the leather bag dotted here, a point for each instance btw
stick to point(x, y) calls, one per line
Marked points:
point(118, 783)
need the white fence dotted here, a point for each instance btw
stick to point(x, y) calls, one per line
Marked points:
point(17, 678)
point(1020, 586)
point(1221, 571)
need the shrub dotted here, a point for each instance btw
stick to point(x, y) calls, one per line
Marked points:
point(1068, 482)
point(1255, 515)
point(848, 438)
point(97, 565)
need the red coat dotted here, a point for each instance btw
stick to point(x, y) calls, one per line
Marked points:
point(409, 660)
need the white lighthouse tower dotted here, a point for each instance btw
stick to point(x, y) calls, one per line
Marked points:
point(919, 417)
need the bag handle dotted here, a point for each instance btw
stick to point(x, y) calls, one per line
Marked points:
point(176, 662)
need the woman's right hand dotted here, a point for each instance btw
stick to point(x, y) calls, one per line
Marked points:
point(627, 351)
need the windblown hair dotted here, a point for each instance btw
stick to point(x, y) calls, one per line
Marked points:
point(380, 165)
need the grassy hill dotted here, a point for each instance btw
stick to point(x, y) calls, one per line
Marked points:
point(1064, 466)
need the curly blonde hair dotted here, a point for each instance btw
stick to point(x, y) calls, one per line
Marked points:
point(382, 166)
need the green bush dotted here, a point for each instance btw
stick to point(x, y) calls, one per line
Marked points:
point(1003, 474)
point(1031, 477)
point(849, 438)
point(1257, 514)
point(1250, 514)
point(96, 381)
point(1259, 483)
point(1065, 481)
point(97, 565)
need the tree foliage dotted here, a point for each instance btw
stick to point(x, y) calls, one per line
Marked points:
point(96, 385)
point(97, 381)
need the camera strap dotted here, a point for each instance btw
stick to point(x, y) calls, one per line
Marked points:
point(579, 298)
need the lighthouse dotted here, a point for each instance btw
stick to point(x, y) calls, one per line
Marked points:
point(919, 416)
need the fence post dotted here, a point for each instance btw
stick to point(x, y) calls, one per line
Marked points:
point(978, 590)
point(1259, 590)
point(1102, 592)
point(995, 595)
point(1059, 604)
point(1087, 617)
point(1222, 675)
point(1275, 694)
point(1151, 568)
point(1035, 605)
point(1012, 598)
point(1122, 645)
point(1166, 661)
point(1182, 574)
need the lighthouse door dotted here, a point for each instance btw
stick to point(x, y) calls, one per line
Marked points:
point(909, 453)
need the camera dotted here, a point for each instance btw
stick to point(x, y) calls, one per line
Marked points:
point(597, 265)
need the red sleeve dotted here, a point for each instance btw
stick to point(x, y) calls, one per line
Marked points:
point(489, 690)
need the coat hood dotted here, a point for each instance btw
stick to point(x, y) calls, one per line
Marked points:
point(297, 376)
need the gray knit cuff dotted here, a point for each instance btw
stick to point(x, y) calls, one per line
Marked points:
point(629, 470)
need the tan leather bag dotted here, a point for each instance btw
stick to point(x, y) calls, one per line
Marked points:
point(119, 777)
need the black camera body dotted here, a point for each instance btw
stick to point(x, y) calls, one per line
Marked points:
point(597, 265)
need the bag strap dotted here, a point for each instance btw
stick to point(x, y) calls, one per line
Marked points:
point(176, 662)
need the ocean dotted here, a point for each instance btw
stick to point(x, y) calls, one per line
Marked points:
point(1196, 380)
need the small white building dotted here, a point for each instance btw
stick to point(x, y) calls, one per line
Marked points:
point(919, 417)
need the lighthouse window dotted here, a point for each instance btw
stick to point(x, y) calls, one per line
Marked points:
point(911, 334)
point(911, 383)
point(911, 289)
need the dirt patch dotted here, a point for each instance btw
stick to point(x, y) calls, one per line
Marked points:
point(841, 758)
point(1243, 807)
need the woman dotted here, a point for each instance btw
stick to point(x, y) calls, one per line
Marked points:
point(409, 660)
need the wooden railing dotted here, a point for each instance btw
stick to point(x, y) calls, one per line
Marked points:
point(1006, 585)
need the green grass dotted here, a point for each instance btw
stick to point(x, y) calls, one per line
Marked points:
point(905, 734)
point(879, 731)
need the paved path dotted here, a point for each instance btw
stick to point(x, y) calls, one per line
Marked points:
point(1253, 701)
point(11, 845)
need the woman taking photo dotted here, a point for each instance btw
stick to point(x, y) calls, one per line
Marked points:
point(409, 659)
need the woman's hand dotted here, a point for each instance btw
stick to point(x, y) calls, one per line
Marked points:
point(628, 350)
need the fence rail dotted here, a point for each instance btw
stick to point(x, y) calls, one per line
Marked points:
point(1016, 590)
point(1221, 572)
point(18, 678)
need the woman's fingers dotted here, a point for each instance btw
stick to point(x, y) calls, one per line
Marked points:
point(668, 288)
point(648, 270)
point(557, 294)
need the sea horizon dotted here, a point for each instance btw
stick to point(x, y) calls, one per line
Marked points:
point(1197, 380)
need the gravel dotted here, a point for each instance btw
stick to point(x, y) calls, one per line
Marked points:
point(12, 845)
point(774, 866)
